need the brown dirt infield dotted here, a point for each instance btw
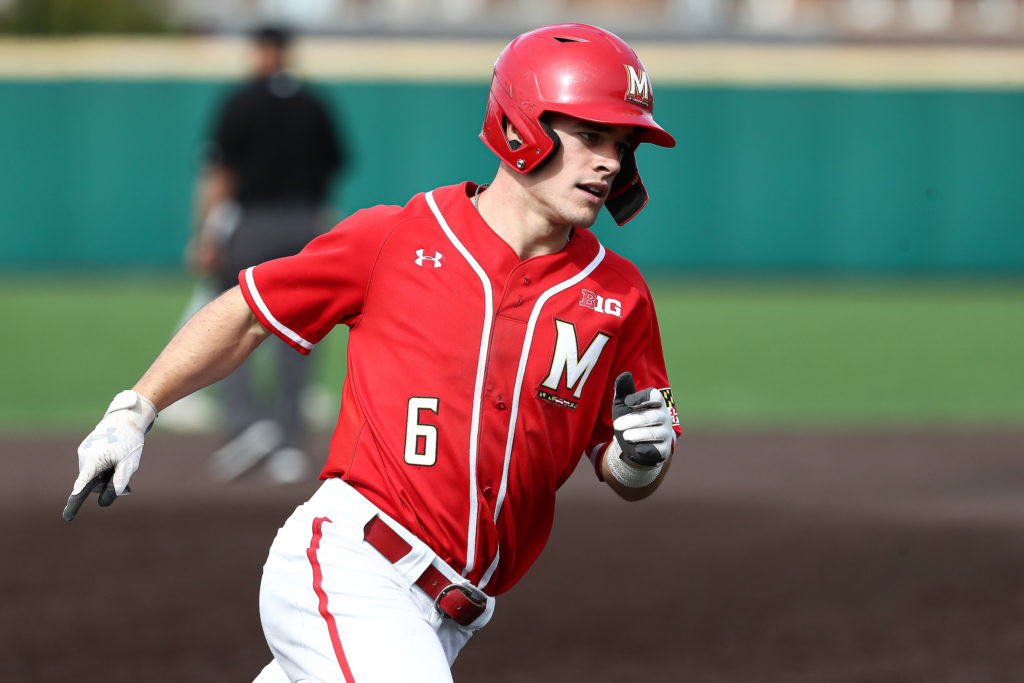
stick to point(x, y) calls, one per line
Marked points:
point(813, 557)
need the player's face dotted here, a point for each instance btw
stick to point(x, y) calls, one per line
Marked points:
point(572, 186)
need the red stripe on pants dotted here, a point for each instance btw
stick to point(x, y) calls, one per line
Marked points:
point(318, 579)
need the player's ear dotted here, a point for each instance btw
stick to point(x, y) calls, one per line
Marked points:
point(512, 136)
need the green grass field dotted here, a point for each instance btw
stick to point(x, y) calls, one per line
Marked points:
point(740, 354)
point(868, 354)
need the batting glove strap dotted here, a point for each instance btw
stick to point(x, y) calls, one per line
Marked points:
point(627, 473)
point(140, 411)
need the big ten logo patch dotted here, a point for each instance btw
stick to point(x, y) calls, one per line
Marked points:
point(671, 403)
point(596, 302)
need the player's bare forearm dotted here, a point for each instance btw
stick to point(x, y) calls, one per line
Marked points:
point(626, 492)
point(209, 347)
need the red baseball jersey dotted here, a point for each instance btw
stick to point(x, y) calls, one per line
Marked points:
point(476, 380)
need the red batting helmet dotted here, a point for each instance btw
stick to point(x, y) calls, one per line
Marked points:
point(581, 71)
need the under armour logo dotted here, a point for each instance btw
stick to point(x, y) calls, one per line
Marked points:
point(109, 436)
point(436, 258)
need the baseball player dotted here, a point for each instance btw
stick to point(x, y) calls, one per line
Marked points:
point(494, 342)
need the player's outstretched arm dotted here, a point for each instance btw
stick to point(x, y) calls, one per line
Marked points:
point(212, 344)
point(636, 460)
point(208, 348)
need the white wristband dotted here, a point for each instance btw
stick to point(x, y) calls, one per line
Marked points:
point(631, 476)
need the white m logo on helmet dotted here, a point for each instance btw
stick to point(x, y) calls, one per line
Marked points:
point(638, 86)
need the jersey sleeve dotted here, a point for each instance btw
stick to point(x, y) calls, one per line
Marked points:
point(640, 353)
point(301, 298)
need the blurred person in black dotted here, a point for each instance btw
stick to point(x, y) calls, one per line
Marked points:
point(268, 171)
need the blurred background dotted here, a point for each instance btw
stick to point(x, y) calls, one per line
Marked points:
point(837, 235)
point(836, 248)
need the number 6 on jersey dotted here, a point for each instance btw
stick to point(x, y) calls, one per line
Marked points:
point(420, 439)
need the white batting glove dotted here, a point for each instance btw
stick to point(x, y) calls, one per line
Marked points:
point(644, 438)
point(109, 456)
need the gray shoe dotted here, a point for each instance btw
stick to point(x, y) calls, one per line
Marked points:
point(287, 466)
point(245, 451)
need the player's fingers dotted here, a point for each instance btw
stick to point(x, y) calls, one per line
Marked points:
point(647, 454)
point(84, 481)
point(657, 433)
point(648, 398)
point(121, 474)
point(107, 488)
point(641, 418)
point(109, 494)
point(74, 503)
point(78, 495)
point(624, 386)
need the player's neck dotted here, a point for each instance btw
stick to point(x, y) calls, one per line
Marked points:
point(514, 219)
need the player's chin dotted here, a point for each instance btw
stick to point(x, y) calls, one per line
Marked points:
point(585, 219)
point(582, 216)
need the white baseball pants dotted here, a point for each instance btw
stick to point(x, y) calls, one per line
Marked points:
point(334, 609)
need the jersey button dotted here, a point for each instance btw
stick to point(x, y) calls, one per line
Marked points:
point(499, 404)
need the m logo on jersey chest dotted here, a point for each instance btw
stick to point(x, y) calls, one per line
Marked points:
point(568, 362)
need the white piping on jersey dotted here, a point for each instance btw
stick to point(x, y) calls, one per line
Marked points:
point(258, 300)
point(474, 510)
point(486, 578)
point(521, 373)
point(478, 386)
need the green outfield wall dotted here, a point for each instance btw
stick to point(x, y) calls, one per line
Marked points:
point(99, 172)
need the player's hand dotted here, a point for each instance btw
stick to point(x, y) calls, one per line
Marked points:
point(204, 257)
point(642, 423)
point(109, 456)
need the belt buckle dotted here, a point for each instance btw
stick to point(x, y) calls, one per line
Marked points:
point(473, 600)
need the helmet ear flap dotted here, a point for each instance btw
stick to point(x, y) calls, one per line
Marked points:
point(628, 194)
point(514, 145)
point(555, 140)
